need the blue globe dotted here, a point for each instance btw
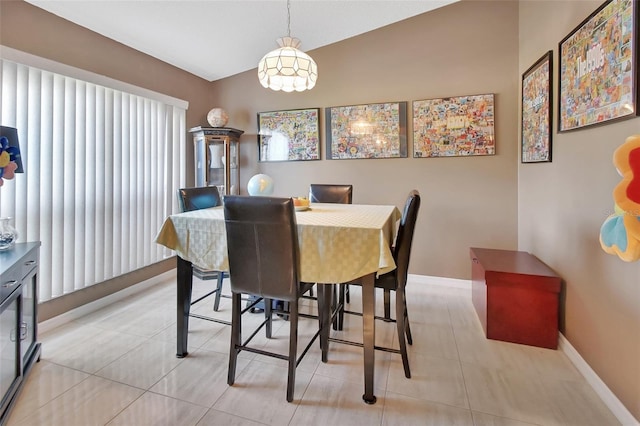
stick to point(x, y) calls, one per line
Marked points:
point(260, 184)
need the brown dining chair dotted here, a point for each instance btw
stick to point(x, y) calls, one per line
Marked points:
point(264, 261)
point(396, 280)
point(197, 198)
point(330, 193)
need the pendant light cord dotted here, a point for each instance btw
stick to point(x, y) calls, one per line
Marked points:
point(288, 18)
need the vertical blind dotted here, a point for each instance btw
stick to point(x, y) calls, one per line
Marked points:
point(101, 169)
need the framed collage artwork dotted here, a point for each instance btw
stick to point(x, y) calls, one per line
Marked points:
point(454, 127)
point(292, 135)
point(367, 131)
point(598, 67)
point(536, 111)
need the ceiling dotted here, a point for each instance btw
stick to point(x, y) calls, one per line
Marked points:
point(214, 39)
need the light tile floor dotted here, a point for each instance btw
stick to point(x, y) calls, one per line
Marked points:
point(117, 366)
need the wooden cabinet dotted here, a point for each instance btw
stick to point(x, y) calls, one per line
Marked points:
point(217, 158)
point(19, 348)
point(516, 297)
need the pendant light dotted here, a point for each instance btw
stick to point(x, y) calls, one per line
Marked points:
point(288, 68)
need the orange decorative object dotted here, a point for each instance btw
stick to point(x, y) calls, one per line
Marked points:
point(620, 232)
point(627, 160)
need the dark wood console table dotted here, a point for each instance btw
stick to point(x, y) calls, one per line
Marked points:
point(516, 297)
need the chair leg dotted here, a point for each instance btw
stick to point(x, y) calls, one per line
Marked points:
point(311, 291)
point(406, 323)
point(347, 296)
point(268, 316)
point(216, 303)
point(340, 316)
point(286, 306)
point(236, 336)
point(293, 348)
point(387, 304)
point(338, 296)
point(400, 322)
point(335, 288)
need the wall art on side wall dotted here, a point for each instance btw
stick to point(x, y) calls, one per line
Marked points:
point(367, 131)
point(598, 72)
point(292, 135)
point(454, 127)
point(536, 111)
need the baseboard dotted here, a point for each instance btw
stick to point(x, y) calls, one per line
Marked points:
point(599, 387)
point(440, 281)
point(83, 310)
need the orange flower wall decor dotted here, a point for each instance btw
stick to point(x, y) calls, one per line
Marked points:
point(620, 232)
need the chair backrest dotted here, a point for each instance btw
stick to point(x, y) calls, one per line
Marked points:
point(402, 249)
point(328, 193)
point(262, 242)
point(198, 198)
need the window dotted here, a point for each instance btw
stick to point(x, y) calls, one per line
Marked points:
point(102, 164)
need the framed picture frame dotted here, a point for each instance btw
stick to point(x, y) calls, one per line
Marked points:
point(459, 126)
point(366, 131)
point(290, 135)
point(536, 102)
point(598, 67)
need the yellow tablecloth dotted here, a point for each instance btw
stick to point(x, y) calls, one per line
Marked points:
point(338, 242)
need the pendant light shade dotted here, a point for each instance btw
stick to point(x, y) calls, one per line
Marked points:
point(288, 68)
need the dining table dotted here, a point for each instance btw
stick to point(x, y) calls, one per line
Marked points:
point(338, 243)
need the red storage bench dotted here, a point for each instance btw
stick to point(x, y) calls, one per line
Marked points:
point(516, 297)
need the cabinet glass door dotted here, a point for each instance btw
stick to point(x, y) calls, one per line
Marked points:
point(200, 158)
point(216, 161)
point(28, 324)
point(234, 172)
point(9, 338)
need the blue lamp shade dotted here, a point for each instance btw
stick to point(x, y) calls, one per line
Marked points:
point(12, 135)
